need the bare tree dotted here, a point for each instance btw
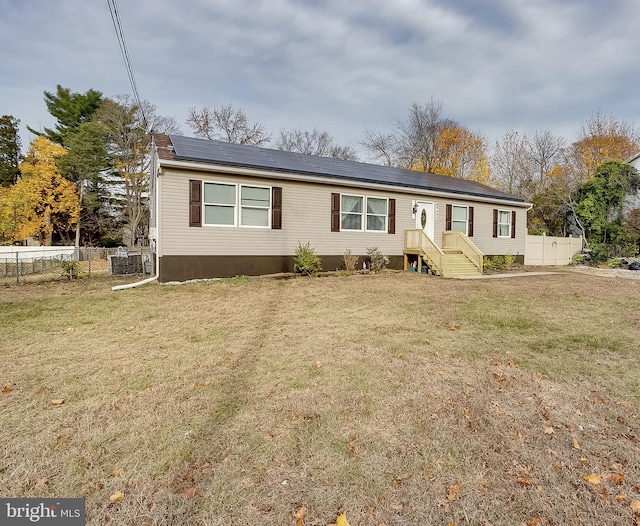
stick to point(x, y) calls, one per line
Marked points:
point(314, 143)
point(384, 146)
point(544, 152)
point(509, 162)
point(226, 124)
point(413, 142)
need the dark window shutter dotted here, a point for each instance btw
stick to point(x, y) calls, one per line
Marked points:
point(276, 208)
point(495, 222)
point(391, 226)
point(335, 212)
point(195, 203)
point(448, 218)
point(513, 223)
point(470, 227)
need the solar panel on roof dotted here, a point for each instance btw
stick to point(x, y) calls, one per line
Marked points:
point(203, 150)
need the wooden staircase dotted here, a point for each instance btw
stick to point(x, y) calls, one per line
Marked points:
point(458, 258)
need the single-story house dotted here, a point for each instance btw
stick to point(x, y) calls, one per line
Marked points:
point(222, 210)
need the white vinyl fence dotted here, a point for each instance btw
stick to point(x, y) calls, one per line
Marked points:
point(550, 250)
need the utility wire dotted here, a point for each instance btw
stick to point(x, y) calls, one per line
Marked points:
point(115, 18)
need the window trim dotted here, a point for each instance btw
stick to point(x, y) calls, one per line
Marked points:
point(364, 214)
point(509, 213)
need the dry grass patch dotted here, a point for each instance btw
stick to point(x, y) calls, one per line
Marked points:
point(397, 399)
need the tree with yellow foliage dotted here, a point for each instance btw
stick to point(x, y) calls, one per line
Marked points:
point(602, 138)
point(461, 153)
point(42, 202)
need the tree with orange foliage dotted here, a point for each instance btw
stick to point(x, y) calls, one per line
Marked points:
point(42, 202)
point(601, 139)
point(461, 153)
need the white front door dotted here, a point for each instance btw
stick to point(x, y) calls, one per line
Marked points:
point(426, 218)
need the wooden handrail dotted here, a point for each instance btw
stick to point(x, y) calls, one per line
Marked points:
point(416, 240)
point(453, 239)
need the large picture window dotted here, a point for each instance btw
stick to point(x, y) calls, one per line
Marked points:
point(504, 223)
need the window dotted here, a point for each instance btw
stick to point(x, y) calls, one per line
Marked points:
point(254, 206)
point(222, 202)
point(363, 213)
point(504, 223)
point(351, 212)
point(377, 214)
point(219, 204)
point(459, 217)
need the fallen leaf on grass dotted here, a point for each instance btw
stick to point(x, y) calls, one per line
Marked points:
point(635, 507)
point(455, 327)
point(41, 482)
point(318, 364)
point(615, 478)
point(575, 444)
point(57, 401)
point(117, 472)
point(6, 389)
point(548, 430)
point(117, 496)
point(190, 493)
point(454, 491)
point(622, 497)
point(300, 515)
point(592, 479)
point(340, 521)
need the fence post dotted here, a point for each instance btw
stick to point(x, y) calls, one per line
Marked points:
point(88, 249)
point(17, 268)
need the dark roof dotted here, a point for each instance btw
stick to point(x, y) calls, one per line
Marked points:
point(237, 155)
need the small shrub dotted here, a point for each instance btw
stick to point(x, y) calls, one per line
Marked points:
point(350, 261)
point(498, 262)
point(377, 260)
point(71, 269)
point(614, 262)
point(306, 260)
point(578, 259)
point(487, 263)
point(509, 260)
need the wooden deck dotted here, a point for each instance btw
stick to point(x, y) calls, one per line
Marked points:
point(458, 257)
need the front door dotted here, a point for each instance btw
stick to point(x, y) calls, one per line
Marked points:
point(425, 218)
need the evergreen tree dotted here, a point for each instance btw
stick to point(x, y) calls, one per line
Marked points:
point(70, 109)
point(9, 150)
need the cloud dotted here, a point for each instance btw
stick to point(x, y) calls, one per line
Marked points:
point(333, 65)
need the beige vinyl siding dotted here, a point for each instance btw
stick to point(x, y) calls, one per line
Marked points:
point(306, 217)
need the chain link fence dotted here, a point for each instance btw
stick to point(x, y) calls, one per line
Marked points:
point(40, 264)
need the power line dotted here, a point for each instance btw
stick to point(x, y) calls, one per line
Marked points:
point(115, 18)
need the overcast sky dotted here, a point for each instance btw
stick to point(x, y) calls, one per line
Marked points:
point(336, 65)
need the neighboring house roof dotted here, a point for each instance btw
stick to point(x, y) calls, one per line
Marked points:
point(179, 148)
